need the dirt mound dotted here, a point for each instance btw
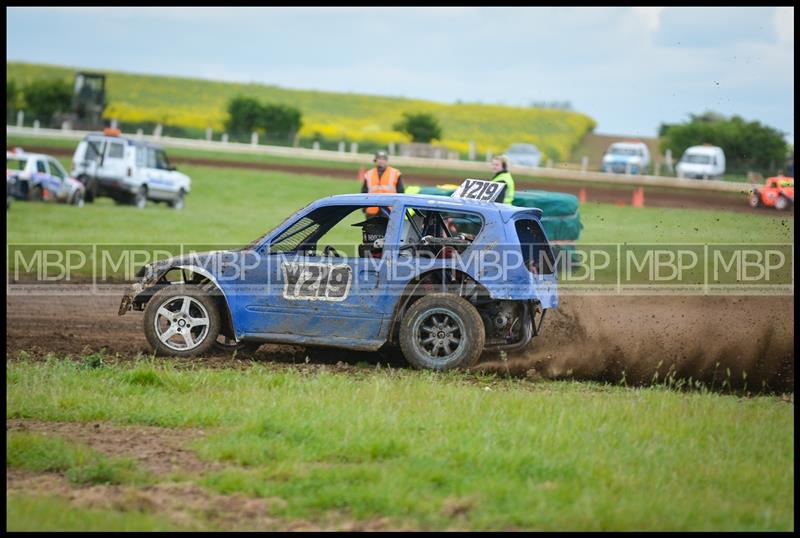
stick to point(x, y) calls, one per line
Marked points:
point(731, 341)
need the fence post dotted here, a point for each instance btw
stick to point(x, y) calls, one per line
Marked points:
point(157, 131)
point(657, 170)
point(354, 147)
point(20, 118)
point(489, 156)
point(65, 125)
point(668, 159)
point(549, 163)
point(209, 133)
point(35, 125)
point(315, 145)
point(224, 138)
point(391, 148)
point(114, 123)
point(584, 164)
point(341, 146)
point(472, 150)
point(139, 134)
point(254, 139)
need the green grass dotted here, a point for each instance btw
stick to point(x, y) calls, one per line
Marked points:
point(416, 446)
point(197, 104)
point(81, 465)
point(27, 513)
point(234, 206)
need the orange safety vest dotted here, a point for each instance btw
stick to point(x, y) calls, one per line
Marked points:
point(387, 183)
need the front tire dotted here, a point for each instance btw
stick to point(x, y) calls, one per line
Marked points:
point(177, 203)
point(442, 332)
point(182, 321)
point(77, 199)
point(781, 203)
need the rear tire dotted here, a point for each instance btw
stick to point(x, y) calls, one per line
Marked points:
point(140, 197)
point(181, 320)
point(781, 203)
point(442, 332)
point(755, 200)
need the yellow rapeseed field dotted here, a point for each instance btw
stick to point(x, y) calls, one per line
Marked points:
point(199, 103)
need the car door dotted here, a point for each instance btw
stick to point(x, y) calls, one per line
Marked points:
point(58, 178)
point(112, 166)
point(306, 293)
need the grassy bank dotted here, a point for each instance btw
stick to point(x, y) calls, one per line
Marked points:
point(440, 451)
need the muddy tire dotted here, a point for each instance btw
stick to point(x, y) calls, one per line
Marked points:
point(781, 203)
point(442, 332)
point(755, 200)
point(182, 321)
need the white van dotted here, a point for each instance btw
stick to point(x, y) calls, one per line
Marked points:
point(626, 158)
point(702, 162)
point(129, 171)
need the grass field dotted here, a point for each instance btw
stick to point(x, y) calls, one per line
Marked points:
point(368, 447)
point(426, 450)
point(236, 206)
point(201, 103)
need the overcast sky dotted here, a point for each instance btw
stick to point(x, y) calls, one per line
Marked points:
point(628, 68)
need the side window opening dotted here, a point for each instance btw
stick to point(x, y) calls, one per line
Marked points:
point(430, 233)
point(41, 167)
point(338, 231)
point(151, 158)
point(536, 252)
point(55, 170)
point(116, 150)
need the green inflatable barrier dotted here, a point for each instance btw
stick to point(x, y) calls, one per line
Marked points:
point(560, 214)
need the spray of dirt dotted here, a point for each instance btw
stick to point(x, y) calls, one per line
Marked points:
point(739, 342)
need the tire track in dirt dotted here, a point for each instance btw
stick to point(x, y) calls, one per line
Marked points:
point(596, 338)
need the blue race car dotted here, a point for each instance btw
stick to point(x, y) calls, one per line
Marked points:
point(363, 272)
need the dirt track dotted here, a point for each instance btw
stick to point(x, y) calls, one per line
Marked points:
point(596, 338)
point(653, 198)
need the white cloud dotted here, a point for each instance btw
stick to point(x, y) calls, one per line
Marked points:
point(784, 24)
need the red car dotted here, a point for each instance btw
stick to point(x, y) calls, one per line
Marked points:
point(777, 192)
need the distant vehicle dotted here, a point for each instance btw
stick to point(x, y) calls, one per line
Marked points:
point(127, 170)
point(626, 158)
point(777, 192)
point(35, 176)
point(88, 102)
point(702, 162)
point(524, 155)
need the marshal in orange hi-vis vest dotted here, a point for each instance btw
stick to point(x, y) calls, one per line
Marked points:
point(386, 183)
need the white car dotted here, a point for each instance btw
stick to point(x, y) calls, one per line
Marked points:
point(524, 155)
point(36, 176)
point(626, 158)
point(127, 170)
point(702, 162)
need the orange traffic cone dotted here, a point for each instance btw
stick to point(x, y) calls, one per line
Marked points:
point(637, 200)
point(582, 196)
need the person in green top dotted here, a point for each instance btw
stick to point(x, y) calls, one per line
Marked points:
point(501, 174)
